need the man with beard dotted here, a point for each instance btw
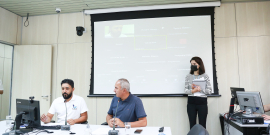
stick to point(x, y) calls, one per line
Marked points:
point(76, 106)
point(115, 31)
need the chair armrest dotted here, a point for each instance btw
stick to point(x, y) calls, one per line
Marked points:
point(86, 122)
point(104, 123)
point(52, 121)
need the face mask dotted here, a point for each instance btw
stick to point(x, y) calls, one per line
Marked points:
point(194, 68)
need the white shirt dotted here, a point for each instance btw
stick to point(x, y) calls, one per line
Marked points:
point(1, 85)
point(75, 107)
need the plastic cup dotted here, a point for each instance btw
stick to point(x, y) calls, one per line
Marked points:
point(8, 120)
point(127, 128)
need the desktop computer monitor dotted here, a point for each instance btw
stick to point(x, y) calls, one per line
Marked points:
point(28, 112)
point(251, 100)
point(233, 93)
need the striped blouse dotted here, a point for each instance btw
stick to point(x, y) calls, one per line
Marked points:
point(188, 83)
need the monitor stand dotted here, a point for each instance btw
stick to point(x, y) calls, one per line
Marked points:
point(18, 119)
point(250, 113)
point(231, 109)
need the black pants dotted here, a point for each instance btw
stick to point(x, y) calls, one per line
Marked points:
point(197, 106)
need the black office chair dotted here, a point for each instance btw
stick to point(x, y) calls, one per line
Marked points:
point(86, 122)
point(198, 130)
point(52, 121)
point(104, 123)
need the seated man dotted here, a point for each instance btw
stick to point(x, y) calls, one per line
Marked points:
point(266, 109)
point(76, 106)
point(130, 108)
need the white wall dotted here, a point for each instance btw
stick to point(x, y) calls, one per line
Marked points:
point(10, 27)
point(5, 76)
point(242, 40)
point(10, 32)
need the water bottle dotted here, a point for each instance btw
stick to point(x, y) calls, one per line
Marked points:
point(88, 130)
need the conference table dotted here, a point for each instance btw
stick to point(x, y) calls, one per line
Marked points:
point(80, 129)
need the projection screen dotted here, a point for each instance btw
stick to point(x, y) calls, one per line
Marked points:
point(152, 53)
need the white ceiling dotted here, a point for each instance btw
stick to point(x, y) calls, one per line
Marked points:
point(45, 7)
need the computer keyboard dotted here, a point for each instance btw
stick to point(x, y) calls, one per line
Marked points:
point(55, 127)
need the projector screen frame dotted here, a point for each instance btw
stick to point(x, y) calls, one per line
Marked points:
point(154, 14)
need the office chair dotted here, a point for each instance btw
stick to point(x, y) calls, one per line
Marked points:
point(104, 123)
point(52, 121)
point(86, 122)
point(198, 130)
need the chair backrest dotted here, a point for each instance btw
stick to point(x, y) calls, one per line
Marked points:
point(104, 123)
point(198, 130)
point(86, 122)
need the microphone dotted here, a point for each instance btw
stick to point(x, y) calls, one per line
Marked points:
point(115, 116)
point(114, 132)
point(65, 127)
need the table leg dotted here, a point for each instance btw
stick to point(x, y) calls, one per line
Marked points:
point(222, 124)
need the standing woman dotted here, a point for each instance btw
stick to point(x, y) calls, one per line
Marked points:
point(197, 103)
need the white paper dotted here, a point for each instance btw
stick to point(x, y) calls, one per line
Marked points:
point(202, 84)
point(198, 94)
point(101, 131)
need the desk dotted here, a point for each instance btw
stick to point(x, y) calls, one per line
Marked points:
point(80, 128)
point(246, 129)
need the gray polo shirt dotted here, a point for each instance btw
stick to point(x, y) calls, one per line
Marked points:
point(129, 110)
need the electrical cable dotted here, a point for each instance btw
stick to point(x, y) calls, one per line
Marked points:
point(83, 17)
point(44, 131)
point(227, 120)
point(71, 132)
point(26, 21)
point(34, 131)
point(7, 129)
point(39, 132)
point(262, 131)
point(226, 125)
